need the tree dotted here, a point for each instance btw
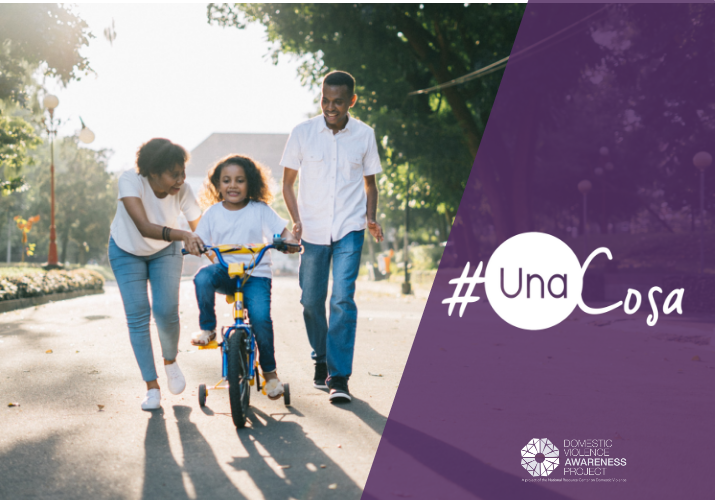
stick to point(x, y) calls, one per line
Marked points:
point(32, 36)
point(394, 50)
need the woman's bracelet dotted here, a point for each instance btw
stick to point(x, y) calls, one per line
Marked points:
point(166, 234)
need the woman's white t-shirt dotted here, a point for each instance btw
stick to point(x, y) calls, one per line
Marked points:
point(254, 223)
point(162, 211)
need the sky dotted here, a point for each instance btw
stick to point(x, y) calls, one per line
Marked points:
point(170, 74)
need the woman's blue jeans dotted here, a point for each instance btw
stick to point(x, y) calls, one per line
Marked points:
point(333, 343)
point(163, 272)
point(256, 298)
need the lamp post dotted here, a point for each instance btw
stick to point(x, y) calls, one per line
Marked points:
point(406, 286)
point(50, 102)
point(584, 187)
point(702, 160)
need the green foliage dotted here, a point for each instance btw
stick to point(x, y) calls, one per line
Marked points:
point(16, 138)
point(392, 50)
point(47, 37)
point(33, 34)
point(425, 257)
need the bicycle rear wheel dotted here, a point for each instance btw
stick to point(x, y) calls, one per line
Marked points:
point(238, 389)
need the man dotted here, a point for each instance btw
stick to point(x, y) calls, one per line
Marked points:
point(336, 156)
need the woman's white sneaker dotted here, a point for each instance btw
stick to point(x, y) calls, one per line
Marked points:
point(175, 379)
point(152, 401)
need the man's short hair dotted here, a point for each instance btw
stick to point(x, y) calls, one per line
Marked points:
point(338, 78)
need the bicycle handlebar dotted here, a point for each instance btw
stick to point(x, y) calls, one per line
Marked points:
point(278, 243)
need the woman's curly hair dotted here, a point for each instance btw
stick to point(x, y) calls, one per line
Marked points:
point(159, 155)
point(258, 178)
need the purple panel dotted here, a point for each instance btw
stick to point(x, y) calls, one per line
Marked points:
point(622, 96)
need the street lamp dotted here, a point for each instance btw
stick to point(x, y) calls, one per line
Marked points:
point(406, 286)
point(702, 160)
point(51, 102)
point(85, 135)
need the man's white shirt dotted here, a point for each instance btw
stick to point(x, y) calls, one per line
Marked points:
point(331, 193)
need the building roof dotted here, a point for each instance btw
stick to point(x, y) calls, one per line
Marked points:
point(265, 148)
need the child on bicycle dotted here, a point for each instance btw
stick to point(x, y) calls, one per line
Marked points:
point(237, 190)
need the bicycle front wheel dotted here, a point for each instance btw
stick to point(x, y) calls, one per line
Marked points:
point(238, 389)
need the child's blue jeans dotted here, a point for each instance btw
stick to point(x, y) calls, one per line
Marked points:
point(256, 298)
point(163, 272)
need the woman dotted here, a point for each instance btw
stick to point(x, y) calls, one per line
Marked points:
point(144, 245)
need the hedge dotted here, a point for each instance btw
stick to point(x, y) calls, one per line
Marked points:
point(699, 295)
point(35, 285)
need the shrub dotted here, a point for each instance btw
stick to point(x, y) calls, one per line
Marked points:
point(37, 284)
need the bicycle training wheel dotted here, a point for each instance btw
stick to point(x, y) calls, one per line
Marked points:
point(286, 394)
point(202, 395)
point(238, 389)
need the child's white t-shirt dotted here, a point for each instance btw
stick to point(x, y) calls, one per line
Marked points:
point(254, 223)
point(162, 211)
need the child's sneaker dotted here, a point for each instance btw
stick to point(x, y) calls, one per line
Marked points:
point(274, 388)
point(152, 401)
point(203, 337)
point(175, 379)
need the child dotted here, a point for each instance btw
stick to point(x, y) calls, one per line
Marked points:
point(237, 188)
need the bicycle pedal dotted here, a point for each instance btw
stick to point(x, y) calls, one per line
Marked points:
point(211, 345)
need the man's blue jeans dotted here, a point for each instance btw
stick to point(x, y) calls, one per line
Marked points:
point(332, 343)
point(163, 272)
point(256, 298)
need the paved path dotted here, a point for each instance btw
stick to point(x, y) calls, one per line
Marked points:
point(57, 444)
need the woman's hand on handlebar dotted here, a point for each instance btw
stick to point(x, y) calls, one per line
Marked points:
point(192, 243)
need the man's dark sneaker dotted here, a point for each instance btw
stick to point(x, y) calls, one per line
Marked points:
point(339, 390)
point(321, 373)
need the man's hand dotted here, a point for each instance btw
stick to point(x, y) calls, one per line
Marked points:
point(297, 231)
point(290, 240)
point(375, 230)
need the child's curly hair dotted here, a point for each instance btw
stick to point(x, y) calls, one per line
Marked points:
point(258, 177)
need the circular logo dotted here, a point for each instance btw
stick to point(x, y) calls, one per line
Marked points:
point(540, 457)
point(533, 281)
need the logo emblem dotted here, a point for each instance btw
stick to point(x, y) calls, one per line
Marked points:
point(540, 457)
point(533, 281)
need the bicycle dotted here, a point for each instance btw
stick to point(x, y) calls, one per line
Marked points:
point(238, 344)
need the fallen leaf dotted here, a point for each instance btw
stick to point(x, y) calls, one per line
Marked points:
point(333, 486)
point(93, 372)
point(48, 351)
point(322, 466)
point(375, 374)
point(101, 407)
point(13, 404)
